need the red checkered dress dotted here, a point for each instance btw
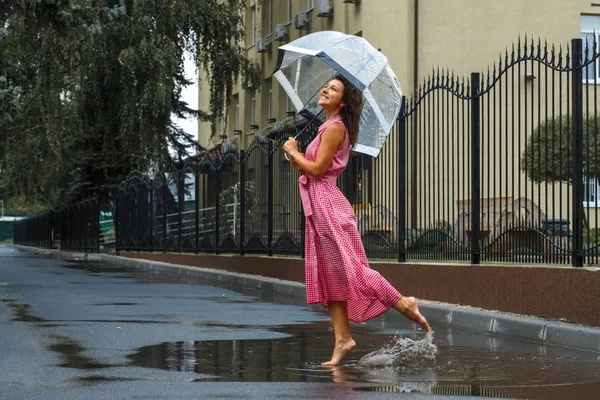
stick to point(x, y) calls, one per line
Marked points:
point(336, 266)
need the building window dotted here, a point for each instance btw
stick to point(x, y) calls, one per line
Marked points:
point(311, 4)
point(590, 35)
point(289, 12)
point(251, 175)
point(591, 192)
point(269, 99)
point(254, 27)
point(236, 103)
point(253, 108)
point(270, 16)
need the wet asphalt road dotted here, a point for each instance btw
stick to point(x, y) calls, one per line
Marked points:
point(75, 330)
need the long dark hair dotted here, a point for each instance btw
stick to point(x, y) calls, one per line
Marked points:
point(350, 113)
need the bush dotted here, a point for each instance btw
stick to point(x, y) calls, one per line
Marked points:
point(592, 236)
point(548, 154)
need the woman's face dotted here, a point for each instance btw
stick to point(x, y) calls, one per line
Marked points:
point(331, 95)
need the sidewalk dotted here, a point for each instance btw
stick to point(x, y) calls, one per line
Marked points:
point(467, 318)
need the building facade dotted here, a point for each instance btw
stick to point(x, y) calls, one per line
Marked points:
point(420, 39)
point(417, 37)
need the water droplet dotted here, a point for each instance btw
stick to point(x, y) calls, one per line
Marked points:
point(400, 351)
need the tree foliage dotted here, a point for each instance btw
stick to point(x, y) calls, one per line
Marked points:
point(548, 154)
point(88, 88)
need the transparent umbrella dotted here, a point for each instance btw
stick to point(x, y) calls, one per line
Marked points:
point(305, 65)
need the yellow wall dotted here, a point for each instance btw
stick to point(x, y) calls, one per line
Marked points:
point(462, 36)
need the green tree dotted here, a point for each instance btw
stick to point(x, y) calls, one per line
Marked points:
point(100, 81)
point(548, 154)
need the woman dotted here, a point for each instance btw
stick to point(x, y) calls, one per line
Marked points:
point(336, 268)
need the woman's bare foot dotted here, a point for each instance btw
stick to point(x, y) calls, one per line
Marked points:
point(339, 352)
point(408, 307)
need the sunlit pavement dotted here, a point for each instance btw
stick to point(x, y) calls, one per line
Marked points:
point(76, 330)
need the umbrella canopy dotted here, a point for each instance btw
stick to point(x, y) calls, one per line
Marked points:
point(305, 65)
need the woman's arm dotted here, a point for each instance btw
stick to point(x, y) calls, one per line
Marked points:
point(331, 138)
point(296, 166)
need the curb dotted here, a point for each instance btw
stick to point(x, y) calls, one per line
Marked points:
point(532, 329)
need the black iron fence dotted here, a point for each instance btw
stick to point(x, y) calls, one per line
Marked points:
point(505, 166)
point(246, 203)
point(501, 167)
point(497, 167)
point(73, 227)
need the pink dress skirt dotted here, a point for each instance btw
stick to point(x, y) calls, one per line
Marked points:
point(336, 266)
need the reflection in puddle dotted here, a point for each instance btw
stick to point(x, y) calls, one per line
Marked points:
point(96, 379)
point(488, 372)
point(99, 268)
point(21, 313)
point(71, 354)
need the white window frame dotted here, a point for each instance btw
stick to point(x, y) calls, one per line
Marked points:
point(254, 27)
point(289, 12)
point(594, 185)
point(590, 25)
point(270, 17)
point(311, 4)
point(594, 64)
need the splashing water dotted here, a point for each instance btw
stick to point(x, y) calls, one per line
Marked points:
point(400, 351)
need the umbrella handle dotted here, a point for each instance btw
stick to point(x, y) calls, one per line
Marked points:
point(285, 154)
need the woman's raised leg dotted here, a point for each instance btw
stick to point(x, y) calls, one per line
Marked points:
point(338, 311)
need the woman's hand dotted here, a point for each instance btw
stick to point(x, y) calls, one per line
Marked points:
point(290, 146)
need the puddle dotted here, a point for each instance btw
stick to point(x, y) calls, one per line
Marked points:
point(459, 371)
